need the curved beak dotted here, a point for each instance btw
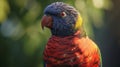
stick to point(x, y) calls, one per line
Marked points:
point(46, 21)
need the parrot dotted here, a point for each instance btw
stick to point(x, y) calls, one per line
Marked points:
point(68, 45)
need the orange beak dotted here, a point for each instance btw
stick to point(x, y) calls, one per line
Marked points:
point(46, 21)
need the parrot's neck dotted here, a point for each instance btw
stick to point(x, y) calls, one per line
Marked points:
point(79, 33)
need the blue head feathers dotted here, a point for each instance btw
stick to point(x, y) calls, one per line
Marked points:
point(64, 18)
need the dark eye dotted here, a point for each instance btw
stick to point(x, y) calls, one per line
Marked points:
point(63, 14)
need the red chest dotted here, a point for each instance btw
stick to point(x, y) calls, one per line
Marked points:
point(72, 51)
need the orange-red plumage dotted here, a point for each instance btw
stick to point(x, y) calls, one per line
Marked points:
point(71, 51)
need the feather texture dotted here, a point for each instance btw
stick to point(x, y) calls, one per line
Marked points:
point(71, 51)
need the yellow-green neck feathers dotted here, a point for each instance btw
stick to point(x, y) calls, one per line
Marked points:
point(78, 22)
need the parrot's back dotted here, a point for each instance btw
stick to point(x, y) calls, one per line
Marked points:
point(72, 51)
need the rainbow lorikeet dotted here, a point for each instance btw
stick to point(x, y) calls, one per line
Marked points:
point(69, 46)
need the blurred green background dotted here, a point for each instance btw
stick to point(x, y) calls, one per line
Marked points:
point(22, 40)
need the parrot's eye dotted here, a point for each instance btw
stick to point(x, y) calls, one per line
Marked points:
point(63, 14)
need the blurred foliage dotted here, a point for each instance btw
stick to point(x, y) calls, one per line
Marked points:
point(22, 40)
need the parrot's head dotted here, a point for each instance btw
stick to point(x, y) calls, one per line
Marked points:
point(62, 19)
